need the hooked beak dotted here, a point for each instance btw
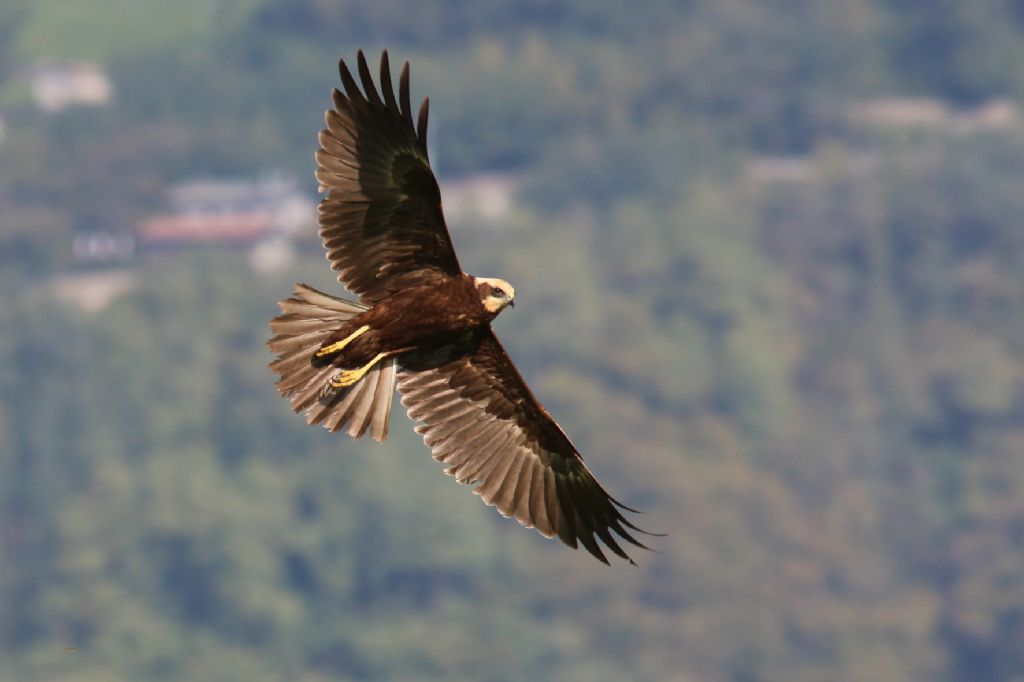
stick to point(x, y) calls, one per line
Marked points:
point(512, 303)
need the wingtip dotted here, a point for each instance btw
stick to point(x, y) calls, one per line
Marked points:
point(367, 79)
point(351, 89)
point(421, 126)
point(403, 92)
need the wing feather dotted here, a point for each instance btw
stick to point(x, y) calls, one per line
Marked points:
point(381, 221)
point(478, 416)
point(519, 504)
point(540, 511)
point(456, 444)
point(403, 93)
point(385, 83)
point(481, 460)
point(421, 125)
point(493, 479)
point(367, 80)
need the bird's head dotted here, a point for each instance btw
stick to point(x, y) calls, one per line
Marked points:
point(495, 294)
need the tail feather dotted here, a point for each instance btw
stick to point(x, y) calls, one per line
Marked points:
point(307, 319)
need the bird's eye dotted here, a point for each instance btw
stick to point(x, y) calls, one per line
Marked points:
point(500, 293)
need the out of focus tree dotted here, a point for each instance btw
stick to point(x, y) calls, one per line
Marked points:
point(12, 16)
point(959, 50)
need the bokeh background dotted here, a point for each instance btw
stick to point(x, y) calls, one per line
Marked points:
point(770, 264)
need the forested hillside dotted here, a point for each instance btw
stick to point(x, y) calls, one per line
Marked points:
point(767, 258)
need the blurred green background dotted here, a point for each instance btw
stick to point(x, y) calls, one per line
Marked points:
point(770, 261)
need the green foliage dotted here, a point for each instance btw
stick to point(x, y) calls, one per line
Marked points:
point(107, 29)
point(960, 49)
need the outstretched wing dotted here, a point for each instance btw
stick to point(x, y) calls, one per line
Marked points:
point(478, 417)
point(381, 221)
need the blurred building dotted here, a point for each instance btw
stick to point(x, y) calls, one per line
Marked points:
point(782, 169)
point(276, 197)
point(236, 211)
point(485, 195)
point(261, 215)
point(242, 228)
point(996, 114)
point(58, 84)
point(103, 248)
point(92, 291)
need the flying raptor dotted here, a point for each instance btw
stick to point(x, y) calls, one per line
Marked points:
point(425, 325)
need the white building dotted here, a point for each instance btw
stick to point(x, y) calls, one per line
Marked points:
point(487, 195)
point(290, 210)
point(261, 215)
point(57, 85)
point(997, 114)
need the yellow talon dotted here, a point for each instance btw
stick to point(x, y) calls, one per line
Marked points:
point(340, 345)
point(351, 376)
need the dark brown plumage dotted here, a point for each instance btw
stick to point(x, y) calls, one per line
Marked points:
point(424, 323)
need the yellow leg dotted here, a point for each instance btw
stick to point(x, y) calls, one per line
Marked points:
point(351, 376)
point(340, 345)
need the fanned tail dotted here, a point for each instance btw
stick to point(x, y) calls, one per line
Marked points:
point(307, 318)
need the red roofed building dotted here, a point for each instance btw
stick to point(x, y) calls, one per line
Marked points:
point(241, 228)
point(231, 212)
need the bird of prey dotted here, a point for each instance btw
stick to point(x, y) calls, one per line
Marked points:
point(425, 325)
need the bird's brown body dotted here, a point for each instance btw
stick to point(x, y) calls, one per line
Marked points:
point(422, 326)
point(418, 318)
